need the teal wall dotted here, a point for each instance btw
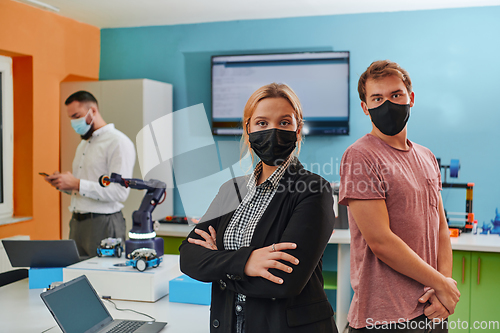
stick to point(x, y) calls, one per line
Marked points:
point(452, 56)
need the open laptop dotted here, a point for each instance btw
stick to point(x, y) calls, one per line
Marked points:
point(41, 253)
point(77, 308)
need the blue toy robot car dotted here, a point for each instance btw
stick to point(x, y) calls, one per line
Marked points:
point(143, 258)
point(110, 247)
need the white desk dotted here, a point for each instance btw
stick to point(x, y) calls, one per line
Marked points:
point(107, 279)
point(22, 311)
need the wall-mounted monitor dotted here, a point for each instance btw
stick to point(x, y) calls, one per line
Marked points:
point(320, 80)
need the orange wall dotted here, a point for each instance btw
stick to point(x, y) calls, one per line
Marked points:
point(46, 49)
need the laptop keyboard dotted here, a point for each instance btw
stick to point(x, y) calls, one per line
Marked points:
point(126, 327)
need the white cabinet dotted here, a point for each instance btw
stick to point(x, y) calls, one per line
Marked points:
point(130, 105)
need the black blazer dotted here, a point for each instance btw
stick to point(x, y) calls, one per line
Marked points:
point(301, 211)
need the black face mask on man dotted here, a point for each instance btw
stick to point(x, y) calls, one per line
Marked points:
point(273, 146)
point(390, 118)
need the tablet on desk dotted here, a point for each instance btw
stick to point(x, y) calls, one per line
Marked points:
point(41, 253)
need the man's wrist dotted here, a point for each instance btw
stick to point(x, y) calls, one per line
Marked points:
point(440, 284)
point(446, 272)
point(77, 185)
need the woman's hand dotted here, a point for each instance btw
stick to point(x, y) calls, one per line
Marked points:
point(210, 239)
point(262, 259)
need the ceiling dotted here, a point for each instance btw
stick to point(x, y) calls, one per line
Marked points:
point(134, 13)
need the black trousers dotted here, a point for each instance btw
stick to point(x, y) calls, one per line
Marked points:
point(92, 228)
point(420, 324)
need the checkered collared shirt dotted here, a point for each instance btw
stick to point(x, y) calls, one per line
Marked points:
point(240, 229)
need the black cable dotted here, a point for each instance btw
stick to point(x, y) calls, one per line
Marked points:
point(48, 329)
point(109, 300)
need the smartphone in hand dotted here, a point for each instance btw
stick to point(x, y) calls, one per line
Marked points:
point(46, 175)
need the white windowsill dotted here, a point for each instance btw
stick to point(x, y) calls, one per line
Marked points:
point(14, 219)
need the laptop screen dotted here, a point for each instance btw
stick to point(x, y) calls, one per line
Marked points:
point(76, 307)
point(41, 253)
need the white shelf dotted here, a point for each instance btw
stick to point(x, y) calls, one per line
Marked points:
point(340, 236)
point(482, 243)
point(174, 230)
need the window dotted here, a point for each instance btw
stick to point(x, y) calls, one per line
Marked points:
point(6, 137)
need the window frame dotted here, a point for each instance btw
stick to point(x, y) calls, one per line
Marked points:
point(7, 113)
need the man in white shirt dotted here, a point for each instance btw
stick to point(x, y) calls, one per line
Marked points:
point(102, 151)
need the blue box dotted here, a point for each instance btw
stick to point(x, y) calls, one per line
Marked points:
point(184, 289)
point(43, 277)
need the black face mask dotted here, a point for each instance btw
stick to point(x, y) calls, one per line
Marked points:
point(390, 118)
point(273, 146)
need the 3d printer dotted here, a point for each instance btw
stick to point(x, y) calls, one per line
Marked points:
point(468, 216)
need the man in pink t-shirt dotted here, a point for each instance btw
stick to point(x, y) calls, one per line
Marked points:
point(401, 257)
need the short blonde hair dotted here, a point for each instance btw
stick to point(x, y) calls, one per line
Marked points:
point(379, 69)
point(273, 90)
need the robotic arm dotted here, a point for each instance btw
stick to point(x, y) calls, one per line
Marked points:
point(142, 234)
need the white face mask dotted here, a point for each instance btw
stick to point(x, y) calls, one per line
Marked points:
point(80, 125)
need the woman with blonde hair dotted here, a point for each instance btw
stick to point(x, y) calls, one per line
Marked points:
point(261, 241)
